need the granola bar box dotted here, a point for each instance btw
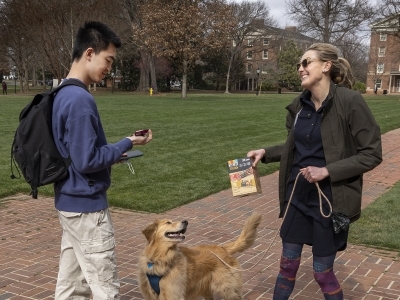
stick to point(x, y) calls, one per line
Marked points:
point(244, 178)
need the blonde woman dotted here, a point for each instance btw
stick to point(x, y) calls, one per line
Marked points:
point(332, 140)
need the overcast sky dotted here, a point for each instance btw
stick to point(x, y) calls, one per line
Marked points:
point(277, 11)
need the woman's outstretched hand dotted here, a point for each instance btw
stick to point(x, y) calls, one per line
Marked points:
point(256, 155)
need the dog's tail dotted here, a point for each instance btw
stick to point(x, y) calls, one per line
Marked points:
point(247, 236)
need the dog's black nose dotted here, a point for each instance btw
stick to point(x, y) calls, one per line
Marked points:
point(185, 222)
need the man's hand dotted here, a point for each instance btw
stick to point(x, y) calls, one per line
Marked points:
point(141, 140)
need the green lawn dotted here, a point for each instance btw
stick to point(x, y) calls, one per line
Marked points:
point(379, 223)
point(193, 140)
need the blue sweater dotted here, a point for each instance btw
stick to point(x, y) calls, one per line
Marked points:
point(78, 134)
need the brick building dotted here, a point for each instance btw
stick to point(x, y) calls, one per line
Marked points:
point(263, 47)
point(384, 56)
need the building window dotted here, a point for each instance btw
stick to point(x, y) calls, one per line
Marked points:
point(250, 42)
point(249, 54)
point(264, 69)
point(379, 68)
point(265, 54)
point(378, 83)
point(383, 37)
point(382, 51)
point(266, 42)
point(249, 68)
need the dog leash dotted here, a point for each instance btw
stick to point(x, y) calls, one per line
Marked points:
point(320, 195)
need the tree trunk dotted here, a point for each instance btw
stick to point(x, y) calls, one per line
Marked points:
point(228, 74)
point(153, 73)
point(144, 73)
point(34, 79)
point(217, 85)
point(184, 79)
point(43, 77)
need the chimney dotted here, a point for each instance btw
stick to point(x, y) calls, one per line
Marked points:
point(291, 28)
point(258, 23)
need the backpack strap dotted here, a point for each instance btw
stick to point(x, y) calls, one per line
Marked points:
point(34, 184)
point(67, 82)
point(13, 161)
point(70, 81)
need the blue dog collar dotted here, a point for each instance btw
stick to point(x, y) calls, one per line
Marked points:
point(154, 280)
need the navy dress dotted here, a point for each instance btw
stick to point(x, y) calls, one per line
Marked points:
point(304, 223)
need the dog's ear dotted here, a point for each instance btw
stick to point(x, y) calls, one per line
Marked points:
point(150, 230)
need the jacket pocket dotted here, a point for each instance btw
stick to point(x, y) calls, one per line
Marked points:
point(349, 201)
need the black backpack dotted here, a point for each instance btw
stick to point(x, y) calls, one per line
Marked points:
point(33, 147)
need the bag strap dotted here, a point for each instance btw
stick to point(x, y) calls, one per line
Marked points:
point(35, 183)
point(70, 81)
point(67, 82)
point(13, 161)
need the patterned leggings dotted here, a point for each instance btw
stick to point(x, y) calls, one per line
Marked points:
point(323, 274)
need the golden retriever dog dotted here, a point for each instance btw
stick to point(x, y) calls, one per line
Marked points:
point(171, 272)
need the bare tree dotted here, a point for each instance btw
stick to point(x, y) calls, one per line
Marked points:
point(330, 20)
point(391, 11)
point(356, 52)
point(249, 18)
point(182, 29)
point(134, 10)
point(390, 7)
point(15, 36)
point(63, 18)
point(40, 34)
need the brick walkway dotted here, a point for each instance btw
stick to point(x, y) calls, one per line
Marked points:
point(30, 241)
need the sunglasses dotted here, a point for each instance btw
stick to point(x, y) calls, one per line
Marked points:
point(305, 62)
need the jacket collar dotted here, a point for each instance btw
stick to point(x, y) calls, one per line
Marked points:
point(296, 105)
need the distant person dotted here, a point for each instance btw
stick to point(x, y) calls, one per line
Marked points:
point(87, 261)
point(4, 85)
point(333, 139)
point(376, 90)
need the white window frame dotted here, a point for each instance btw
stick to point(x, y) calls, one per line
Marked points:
point(250, 42)
point(249, 68)
point(381, 51)
point(383, 37)
point(266, 41)
point(264, 69)
point(249, 54)
point(380, 68)
point(265, 54)
point(378, 83)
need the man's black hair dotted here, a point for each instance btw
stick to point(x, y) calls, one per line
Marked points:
point(94, 35)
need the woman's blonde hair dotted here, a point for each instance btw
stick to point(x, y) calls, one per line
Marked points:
point(340, 70)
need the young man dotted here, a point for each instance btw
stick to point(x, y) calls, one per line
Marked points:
point(87, 260)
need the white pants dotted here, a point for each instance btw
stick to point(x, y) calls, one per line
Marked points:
point(87, 259)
